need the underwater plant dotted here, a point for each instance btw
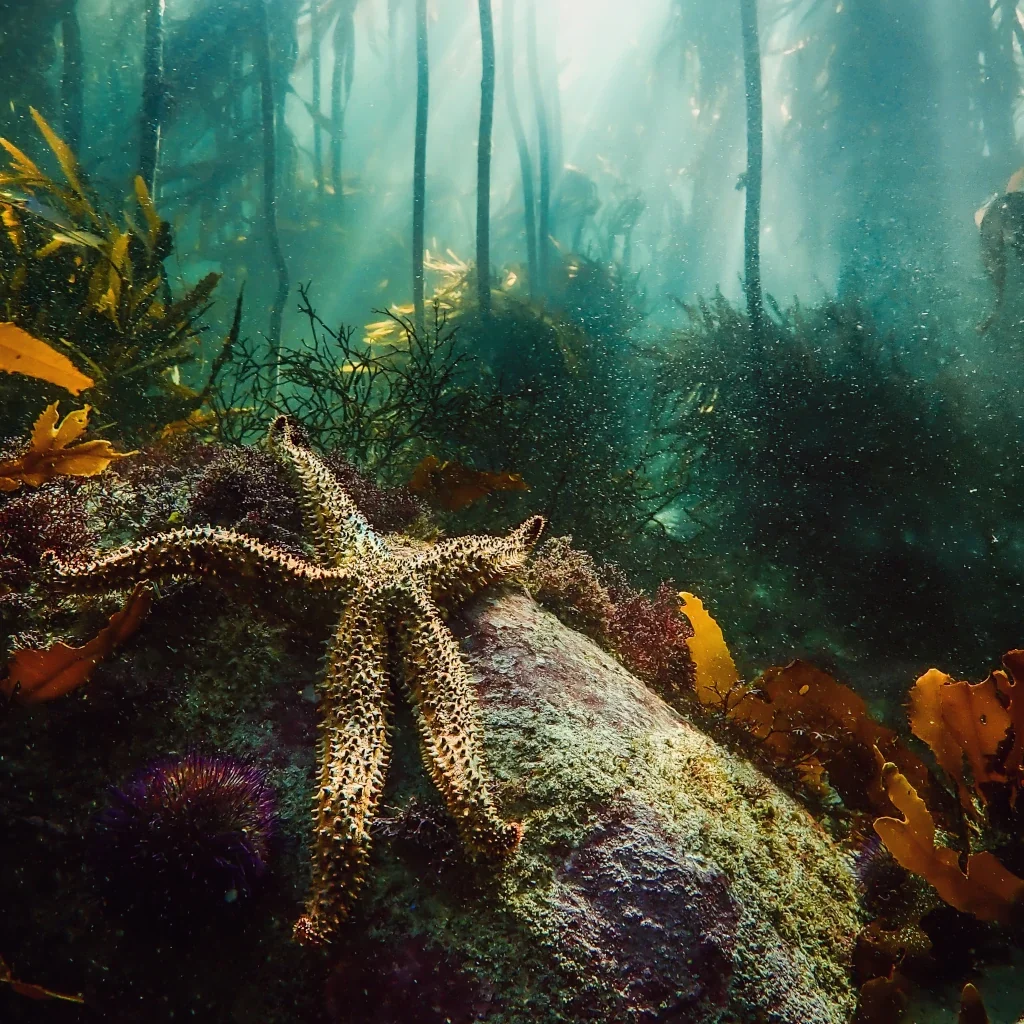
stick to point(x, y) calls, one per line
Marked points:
point(649, 635)
point(185, 835)
point(857, 474)
point(31, 990)
point(386, 592)
point(246, 488)
point(34, 675)
point(388, 407)
point(568, 582)
point(33, 522)
point(93, 285)
point(50, 452)
point(976, 733)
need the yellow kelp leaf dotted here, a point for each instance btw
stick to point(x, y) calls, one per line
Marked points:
point(148, 211)
point(32, 991)
point(49, 455)
point(61, 150)
point(197, 419)
point(51, 246)
point(119, 253)
point(37, 675)
point(384, 332)
point(964, 725)
point(715, 671)
point(12, 226)
point(986, 890)
point(22, 163)
point(21, 353)
point(972, 1009)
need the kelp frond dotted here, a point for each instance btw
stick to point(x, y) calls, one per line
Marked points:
point(92, 284)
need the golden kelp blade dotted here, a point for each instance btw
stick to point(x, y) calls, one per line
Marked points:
point(21, 353)
point(715, 671)
point(972, 1009)
point(964, 724)
point(61, 150)
point(148, 211)
point(987, 890)
point(49, 455)
point(32, 991)
point(35, 676)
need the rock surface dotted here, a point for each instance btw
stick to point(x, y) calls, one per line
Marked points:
point(661, 878)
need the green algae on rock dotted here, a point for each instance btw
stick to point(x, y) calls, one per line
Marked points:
point(660, 876)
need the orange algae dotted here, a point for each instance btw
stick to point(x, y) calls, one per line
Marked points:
point(34, 676)
point(985, 889)
point(963, 724)
point(20, 352)
point(453, 486)
point(49, 454)
point(715, 673)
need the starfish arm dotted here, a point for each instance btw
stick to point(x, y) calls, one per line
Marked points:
point(334, 523)
point(446, 714)
point(354, 748)
point(456, 568)
point(190, 552)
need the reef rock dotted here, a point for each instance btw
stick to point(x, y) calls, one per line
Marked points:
point(661, 876)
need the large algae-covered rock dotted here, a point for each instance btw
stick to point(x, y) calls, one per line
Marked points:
point(661, 877)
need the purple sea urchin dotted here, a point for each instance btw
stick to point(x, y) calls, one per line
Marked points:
point(186, 833)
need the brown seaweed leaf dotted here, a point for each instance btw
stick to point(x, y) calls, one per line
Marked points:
point(802, 717)
point(986, 889)
point(20, 352)
point(34, 676)
point(453, 486)
point(49, 455)
point(1011, 686)
point(30, 991)
point(964, 725)
point(883, 1000)
point(972, 1009)
point(805, 717)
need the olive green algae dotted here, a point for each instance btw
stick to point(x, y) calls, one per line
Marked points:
point(661, 877)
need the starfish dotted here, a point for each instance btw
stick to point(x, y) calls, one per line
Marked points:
point(388, 594)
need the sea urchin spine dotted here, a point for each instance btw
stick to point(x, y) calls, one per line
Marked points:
point(187, 832)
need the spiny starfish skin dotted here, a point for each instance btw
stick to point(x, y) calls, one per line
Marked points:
point(388, 593)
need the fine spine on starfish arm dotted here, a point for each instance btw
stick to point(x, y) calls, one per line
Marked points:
point(387, 593)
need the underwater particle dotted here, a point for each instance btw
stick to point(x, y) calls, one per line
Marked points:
point(652, 637)
point(186, 835)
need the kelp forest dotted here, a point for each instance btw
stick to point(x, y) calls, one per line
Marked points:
point(499, 502)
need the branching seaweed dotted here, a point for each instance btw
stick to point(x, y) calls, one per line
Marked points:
point(385, 406)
